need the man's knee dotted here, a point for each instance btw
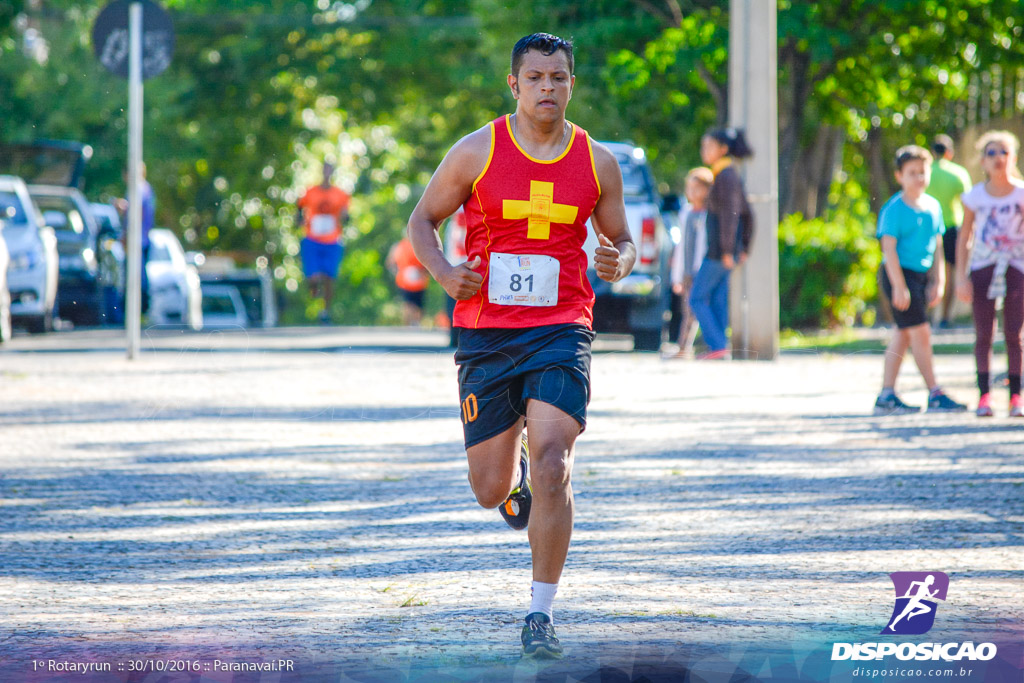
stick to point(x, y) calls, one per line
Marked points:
point(490, 488)
point(550, 467)
point(490, 493)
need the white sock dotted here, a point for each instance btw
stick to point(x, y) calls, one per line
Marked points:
point(543, 597)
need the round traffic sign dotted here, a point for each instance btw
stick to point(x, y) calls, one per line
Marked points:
point(110, 39)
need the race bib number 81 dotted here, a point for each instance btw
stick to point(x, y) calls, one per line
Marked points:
point(523, 280)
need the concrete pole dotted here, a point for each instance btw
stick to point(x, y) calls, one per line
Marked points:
point(753, 106)
point(133, 303)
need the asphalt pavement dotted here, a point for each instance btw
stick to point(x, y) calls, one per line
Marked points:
point(300, 495)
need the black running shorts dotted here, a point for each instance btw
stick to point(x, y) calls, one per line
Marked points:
point(499, 369)
point(949, 244)
point(917, 283)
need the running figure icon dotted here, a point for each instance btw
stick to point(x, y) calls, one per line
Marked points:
point(916, 606)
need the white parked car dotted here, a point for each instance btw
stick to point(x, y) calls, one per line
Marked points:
point(32, 248)
point(175, 297)
point(5, 294)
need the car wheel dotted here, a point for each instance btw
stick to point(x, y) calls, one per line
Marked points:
point(5, 316)
point(41, 323)
point(647, 340)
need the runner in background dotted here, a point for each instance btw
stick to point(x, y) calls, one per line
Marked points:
point(323, 211)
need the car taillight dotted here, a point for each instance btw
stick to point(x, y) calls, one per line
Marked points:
point(648, 243)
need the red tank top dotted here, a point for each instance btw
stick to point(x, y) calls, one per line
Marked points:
point(527, 221)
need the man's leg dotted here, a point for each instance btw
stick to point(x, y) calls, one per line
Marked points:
point(314, 285)
point(949, 251)
point(328, 291)
point(947, 295)
point(494, 466)
point(552, 437)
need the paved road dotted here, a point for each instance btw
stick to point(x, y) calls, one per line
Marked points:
point(303, 494)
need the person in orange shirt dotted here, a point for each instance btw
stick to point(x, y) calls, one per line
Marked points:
point(411, 278)
point(322, 211)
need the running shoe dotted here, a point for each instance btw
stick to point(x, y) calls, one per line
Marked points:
point(516, 508)
point(940, 403)
point(893, 405)
point(539, 640)
point(984, 406)
point(1016, 406)
point(721, 354)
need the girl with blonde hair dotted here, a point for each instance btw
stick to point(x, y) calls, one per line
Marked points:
point(990, 262)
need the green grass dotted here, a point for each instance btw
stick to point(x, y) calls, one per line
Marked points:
point(846, 342)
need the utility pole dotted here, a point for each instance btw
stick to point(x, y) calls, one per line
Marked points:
point(133, 302)
point(753, 106)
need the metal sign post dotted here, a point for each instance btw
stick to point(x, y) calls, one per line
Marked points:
point(135, 45)
point(133, 304)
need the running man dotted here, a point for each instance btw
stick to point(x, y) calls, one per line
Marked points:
point(528, 183)
point(322, 211)
point(915, 606)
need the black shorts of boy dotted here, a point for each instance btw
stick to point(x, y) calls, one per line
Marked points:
point(500, 369)
point(413, 298)
point(917, 312)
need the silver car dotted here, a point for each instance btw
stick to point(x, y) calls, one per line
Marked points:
point(637, 304)
point(32, 247)
point(175, 297)
point(5, 293)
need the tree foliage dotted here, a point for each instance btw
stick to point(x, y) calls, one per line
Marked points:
point(259, 93)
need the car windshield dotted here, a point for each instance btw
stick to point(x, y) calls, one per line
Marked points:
point(11, 208)
point(634, 181)
point(218, 304)
point(106, 221)
point(74, 224)
point(159, 252)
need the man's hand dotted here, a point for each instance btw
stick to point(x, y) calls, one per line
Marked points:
point(728, 262)
point(462, 281)
point(606, 260)
point(900, 297)
point(933, 292)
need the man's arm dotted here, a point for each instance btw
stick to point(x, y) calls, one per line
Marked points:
point(447, 190)
point(616, 253)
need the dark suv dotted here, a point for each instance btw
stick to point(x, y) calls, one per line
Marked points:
point(86, 260)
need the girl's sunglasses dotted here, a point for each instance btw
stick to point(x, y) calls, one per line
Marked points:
point(994, 152)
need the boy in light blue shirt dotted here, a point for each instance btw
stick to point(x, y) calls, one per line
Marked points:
point(910, 227)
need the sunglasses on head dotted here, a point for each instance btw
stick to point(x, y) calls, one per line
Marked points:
point(994, 152)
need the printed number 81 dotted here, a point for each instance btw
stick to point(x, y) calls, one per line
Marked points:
point(517, 283)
